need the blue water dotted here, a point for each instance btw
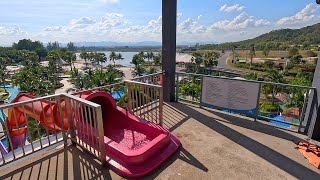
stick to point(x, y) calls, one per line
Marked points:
point(117, 95)
point(14, 91)
point(279, 118)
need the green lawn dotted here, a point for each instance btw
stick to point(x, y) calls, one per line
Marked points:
point(272, 54)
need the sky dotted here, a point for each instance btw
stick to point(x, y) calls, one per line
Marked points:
point(210, 21)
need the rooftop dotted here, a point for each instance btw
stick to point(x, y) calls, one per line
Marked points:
point(214, 145)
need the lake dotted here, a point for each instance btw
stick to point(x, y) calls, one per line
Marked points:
point(127, 58)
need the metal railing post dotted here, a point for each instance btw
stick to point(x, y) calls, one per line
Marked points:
point(258, 105)
point(129, 96)
point(161, 107)
point(70, 120)
point(64, 134)
point(177, 87)
point(101, 136)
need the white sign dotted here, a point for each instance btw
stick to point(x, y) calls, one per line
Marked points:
point(230, 94)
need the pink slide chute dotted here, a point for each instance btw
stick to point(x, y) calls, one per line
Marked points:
point(134, 147)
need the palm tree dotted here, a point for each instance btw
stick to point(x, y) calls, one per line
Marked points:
point(210, 59)
point(142, 55)
point(113, 57)
point(119, 57)
point(138, 71)
point(53, 67)
point(69, 57)
point(150, 55)
point(157, 59)
point(84, 55)
point(100, 58)
point(197, 59)
point(252, 53)
point(276, 77)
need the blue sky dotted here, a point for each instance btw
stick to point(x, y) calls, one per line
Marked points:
point(140, 20)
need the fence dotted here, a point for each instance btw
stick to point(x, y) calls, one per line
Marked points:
point(145, 101)
point(68, 117)
point(155, 79)
point(280, 104)
point(63, 116)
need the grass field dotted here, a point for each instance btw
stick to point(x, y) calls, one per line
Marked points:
point(272, 54)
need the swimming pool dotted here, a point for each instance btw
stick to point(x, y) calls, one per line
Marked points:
point(14, 91)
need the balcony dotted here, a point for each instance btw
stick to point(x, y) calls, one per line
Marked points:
point(214, 143)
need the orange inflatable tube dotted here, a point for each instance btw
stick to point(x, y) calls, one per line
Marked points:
point(43, 111)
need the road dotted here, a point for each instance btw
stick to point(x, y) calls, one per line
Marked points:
point(222, 61)
point(223, 65)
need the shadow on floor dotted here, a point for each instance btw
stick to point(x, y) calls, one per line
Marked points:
point(183, 155)
point(66, 163)
point(285, 163)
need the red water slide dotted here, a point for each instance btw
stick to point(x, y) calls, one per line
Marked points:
point(134, 147)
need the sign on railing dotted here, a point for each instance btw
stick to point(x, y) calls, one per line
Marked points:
point(230, 94)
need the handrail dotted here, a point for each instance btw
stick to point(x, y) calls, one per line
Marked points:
point(141, 83)
point(244, 80)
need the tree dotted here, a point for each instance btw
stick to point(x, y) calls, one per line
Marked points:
point(27, 44)
point(84, 55)
point(197, 59)
point(53, 66)
point(157, 59)
point(250, 76)
point(53, 45)
point(3, 72)
point(266, 50)
point(276, 77)
point(210, 59)
point(71, 46)
point(113, 57)
point(252, 53)
point(297, 95)
point(69, 57)
point(138, 71)
point(292, 52)
point(119, 57)
point(150, 55)
point(296, 59)
point(100, 58)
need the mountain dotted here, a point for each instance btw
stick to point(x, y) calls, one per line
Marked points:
point(276, 39)
point(308, 35)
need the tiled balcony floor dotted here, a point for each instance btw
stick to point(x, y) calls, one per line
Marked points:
point(215, 146)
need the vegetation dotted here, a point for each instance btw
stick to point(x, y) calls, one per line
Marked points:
point(305, 38)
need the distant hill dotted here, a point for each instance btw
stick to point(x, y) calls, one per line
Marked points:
point(308, 35)
point(277, 39)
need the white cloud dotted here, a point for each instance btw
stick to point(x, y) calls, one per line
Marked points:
point(10, 30)
point(111, 20)
point(155, 22)
point(110, 1)
point(179, 15)
point(83, 20)
point(242, 21)
point(306, 15)
point(53, 28)
point(190, 26)
point(199, 16)
point(235, 7)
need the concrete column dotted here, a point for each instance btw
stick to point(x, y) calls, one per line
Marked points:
point(169, 26)
point(312, 116)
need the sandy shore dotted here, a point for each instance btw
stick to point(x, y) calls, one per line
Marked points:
point(183, 58)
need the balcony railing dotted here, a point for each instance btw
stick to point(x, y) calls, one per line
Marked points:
point(57, 113)
point(69, 118)
point(272, 98)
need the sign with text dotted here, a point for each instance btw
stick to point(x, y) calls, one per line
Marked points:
point(230, 94)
